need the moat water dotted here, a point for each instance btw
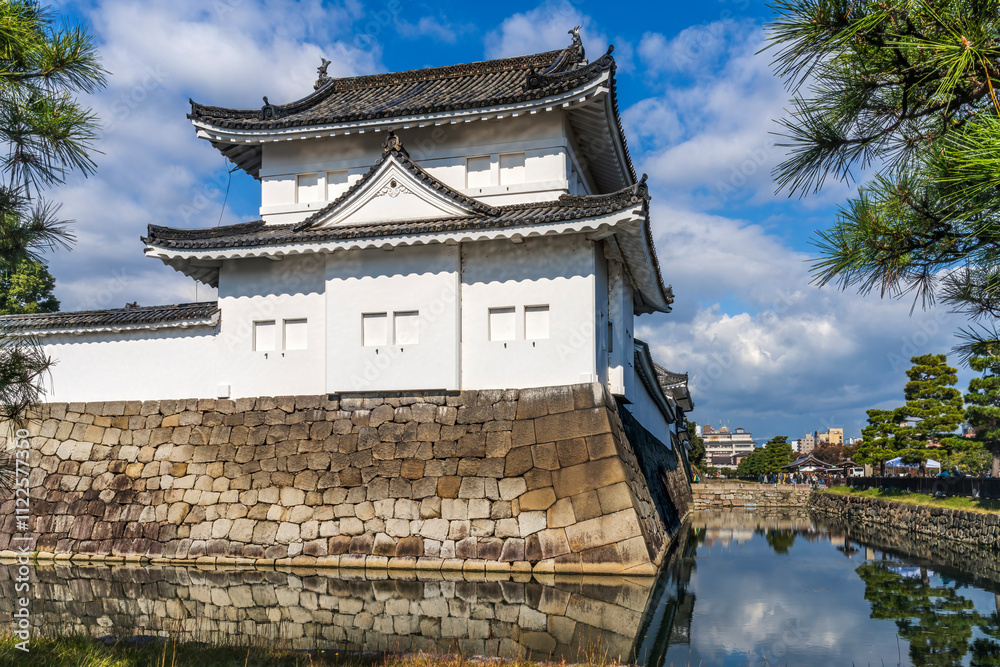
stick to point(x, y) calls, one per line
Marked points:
point(740, 588)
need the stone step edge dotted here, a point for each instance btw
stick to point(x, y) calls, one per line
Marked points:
point(351, 562)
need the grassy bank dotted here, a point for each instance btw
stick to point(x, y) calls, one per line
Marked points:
point(952, 502)
point(79, 651)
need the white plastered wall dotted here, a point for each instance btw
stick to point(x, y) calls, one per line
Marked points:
point(371, 282)
point(132, 365)
point(553, 271)
point(620, 360)
point(442, 151)
point(647, 412)
point(263, 290)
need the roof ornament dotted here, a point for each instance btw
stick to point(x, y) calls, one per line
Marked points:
point(323, 76)
point(578, 42)
point(392, 144)
point(641, 189)
point(268, 111)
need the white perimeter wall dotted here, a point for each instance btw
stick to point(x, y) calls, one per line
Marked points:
point(134, 365)
point(553, 271)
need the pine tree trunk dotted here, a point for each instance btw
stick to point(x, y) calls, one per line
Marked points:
point(995, 469)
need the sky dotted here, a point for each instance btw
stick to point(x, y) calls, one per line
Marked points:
point(765, 348)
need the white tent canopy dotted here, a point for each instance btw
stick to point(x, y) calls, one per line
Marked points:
point(898, 463)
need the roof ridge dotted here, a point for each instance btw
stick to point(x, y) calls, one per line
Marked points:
point(622, 198)
point(366, 81)
point(207, 232)
point(134, 309)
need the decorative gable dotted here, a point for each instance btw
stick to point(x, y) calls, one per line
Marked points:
point(395, 189)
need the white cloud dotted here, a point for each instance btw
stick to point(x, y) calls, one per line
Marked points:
point(544, 28)
point(433, 28)
point(153, 168)
point(710, 139)
point(763, 345)
point(694, 49)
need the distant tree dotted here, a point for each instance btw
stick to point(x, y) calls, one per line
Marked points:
point(973, 458)
point(778, 453)
point(697, 453)
point(832, 453)
point(983, 405)
point(27, 288)
point(753, 464)
point(933, 405)
point(881, 439)
point(771, 458)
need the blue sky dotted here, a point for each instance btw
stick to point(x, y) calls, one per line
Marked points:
point(765, 349)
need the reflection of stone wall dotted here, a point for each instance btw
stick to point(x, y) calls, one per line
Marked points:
point(536, 478)
point(979, 564)
point(709, 495)
point(308, 609)
point(971, 527)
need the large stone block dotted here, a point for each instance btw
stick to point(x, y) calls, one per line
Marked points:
point(574, 424)
point(587, 477)
point(603, 530)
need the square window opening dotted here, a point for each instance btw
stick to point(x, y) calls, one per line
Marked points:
point(308, 188)
point(374, 329)
point(295, 334)
point(503, 323)
point(536, 322)
point(264, 334)
point(406, 327)
point(477, 172)
point(512, 169)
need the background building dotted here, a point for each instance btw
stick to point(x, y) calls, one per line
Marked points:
point(725, 448)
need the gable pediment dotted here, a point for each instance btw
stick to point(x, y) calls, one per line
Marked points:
point(394, 190)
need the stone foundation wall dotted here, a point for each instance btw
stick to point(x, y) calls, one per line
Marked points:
point(717, 495)
point(954, 525)
point(535, 479)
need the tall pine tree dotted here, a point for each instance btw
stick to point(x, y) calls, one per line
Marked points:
point(983, 411)
point(45, 134)
point(880, 439)
point(933, 406)
point(908, 93)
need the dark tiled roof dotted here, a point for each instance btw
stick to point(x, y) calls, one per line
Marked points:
point(669, 378)
point(254, 234)
point(118, 317)
point(807, 459)
point(416, 92)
